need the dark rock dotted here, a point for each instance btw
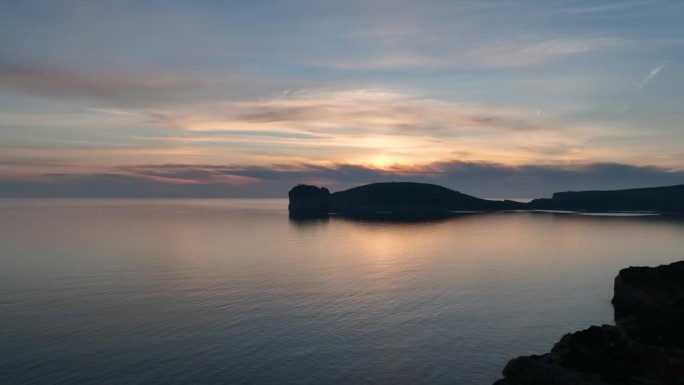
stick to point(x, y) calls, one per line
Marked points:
point(400, 200)
point(642, 289)
point(649, 304)
point(603, 352)
point(645, 346)
point(405, 200)
point(669, 200)
point(658, 328)
point(545, 370)
point(309, 201)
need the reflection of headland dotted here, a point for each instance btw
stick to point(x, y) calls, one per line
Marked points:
point(373, 219)
point(399, 218)
point(309, 223)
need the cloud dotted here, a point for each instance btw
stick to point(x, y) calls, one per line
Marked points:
point(484, 179)
point(129, 90)
point(364, 126)
point(512, 53)
point(409, 86)
point(370, 126)
point(651, 75)
point(493, 53)
point(609, 8)
point(327, 112)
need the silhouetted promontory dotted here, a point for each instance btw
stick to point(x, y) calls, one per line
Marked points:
point(422, 200)
point(391, 199)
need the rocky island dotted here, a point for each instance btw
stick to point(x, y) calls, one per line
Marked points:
point(422, 200)
point(645, 346)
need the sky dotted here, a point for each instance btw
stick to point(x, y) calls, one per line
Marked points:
point(493, 98)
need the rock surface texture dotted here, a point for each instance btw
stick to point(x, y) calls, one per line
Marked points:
point(646, 346)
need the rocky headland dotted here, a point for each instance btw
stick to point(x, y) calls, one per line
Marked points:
point(422, 200)
point(392, 200)
point(645, 346)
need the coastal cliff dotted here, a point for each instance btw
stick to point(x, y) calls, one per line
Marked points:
point(645, 346)
point(422, 200)
point(668, 199)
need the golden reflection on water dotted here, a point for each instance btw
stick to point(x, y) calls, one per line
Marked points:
point(392, 243)
point(478, 242)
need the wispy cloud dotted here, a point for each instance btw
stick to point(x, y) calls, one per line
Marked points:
point(357, 126)
point(651, 75)
point(139, 89)
point(494, 53)
point(360, 126)
point(611, 7)
point(328, 112)
point(511, 53)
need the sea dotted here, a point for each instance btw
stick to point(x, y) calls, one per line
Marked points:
point(231, 291)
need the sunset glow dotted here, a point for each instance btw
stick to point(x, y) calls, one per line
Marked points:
point(280, 93)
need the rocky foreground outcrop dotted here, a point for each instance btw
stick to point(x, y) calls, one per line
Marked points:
point(646, 345)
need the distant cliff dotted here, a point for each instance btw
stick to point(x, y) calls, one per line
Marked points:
point(422, 200)
point(661, 199)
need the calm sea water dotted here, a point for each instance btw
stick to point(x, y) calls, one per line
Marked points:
point(232, 292)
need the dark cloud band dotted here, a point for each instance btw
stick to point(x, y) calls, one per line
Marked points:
point(213, 181)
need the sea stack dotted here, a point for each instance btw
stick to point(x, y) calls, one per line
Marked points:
point(309, 201)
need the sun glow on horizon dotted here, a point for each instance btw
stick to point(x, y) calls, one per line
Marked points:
point(233, 98)
point(382, 162)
